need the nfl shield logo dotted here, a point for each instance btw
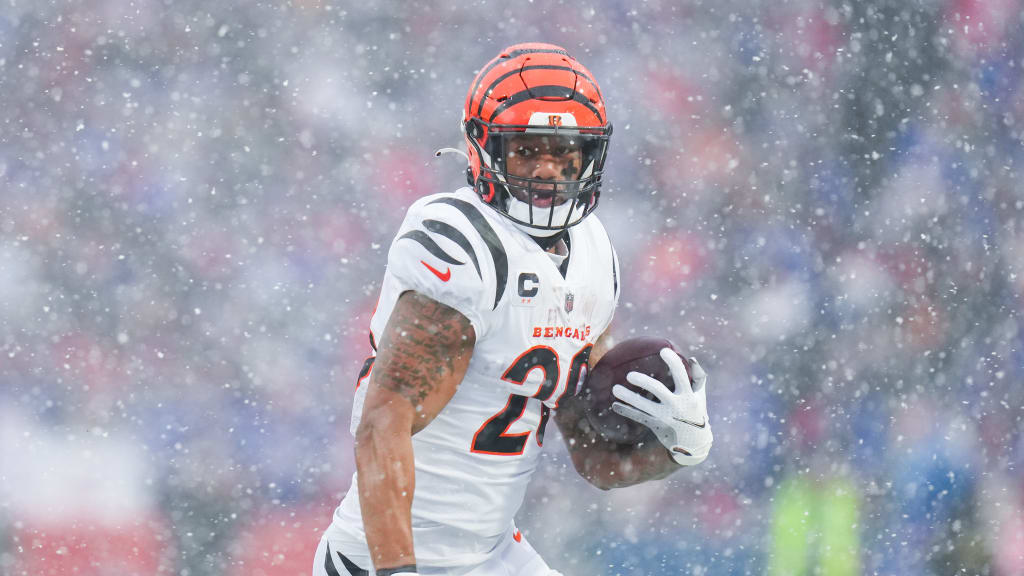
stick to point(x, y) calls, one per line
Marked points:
point(568, 301)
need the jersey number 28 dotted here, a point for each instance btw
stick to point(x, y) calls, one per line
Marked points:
point(493, 437)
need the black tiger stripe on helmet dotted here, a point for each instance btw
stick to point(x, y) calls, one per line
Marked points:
point(536, 88)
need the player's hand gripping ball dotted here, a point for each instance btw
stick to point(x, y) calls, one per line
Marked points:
point(642, 388)
point(634, 355)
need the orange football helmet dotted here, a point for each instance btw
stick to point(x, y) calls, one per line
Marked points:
point(536, 89)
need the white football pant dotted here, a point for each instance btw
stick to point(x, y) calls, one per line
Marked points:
point(514, 556)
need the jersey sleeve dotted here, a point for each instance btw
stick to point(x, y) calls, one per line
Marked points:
point(440, 255)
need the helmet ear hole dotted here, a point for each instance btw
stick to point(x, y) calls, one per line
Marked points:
point(485, 190)
point(473, 129)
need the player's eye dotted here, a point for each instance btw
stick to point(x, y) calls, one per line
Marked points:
point(522, 152)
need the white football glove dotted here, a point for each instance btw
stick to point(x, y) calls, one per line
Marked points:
point(680, 419)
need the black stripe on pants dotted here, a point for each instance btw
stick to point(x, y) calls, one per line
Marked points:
point(350, 566)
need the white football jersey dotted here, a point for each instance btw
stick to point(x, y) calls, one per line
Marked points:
point(535, 322)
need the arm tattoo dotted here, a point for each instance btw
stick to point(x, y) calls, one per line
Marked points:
point(424, 343)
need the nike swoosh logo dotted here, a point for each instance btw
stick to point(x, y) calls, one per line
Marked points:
point(444, 277)
point(694, 424)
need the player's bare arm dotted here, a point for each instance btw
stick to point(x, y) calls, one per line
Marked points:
point(606, 464)
point(423, 355)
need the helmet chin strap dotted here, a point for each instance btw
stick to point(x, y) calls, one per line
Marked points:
point(522, 216)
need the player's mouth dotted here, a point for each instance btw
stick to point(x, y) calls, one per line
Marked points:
point(543, 198)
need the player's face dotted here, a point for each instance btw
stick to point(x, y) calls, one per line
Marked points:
point(544, 157)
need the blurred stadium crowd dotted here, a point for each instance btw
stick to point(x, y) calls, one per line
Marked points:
point(820, 200)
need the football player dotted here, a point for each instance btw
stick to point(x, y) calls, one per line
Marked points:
point(496, 299)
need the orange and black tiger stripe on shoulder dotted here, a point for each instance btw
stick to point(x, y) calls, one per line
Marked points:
point(498, 255)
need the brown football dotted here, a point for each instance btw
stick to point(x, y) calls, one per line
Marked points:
point(636, 354)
